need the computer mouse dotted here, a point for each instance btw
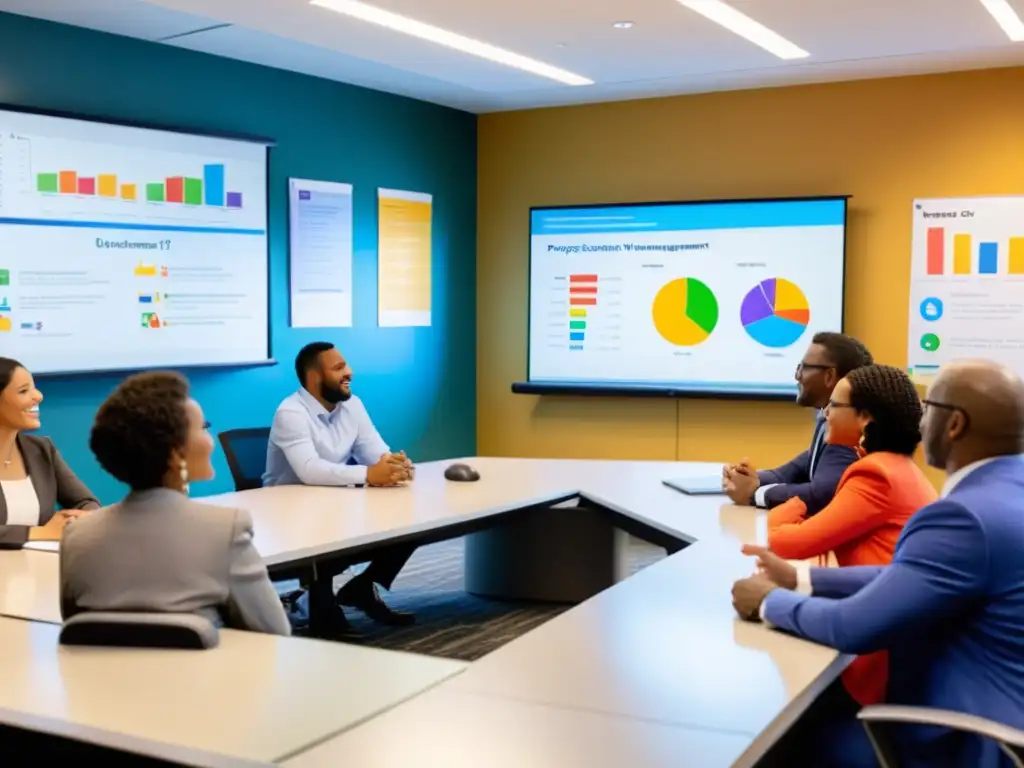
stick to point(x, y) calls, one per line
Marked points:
point(461, 473)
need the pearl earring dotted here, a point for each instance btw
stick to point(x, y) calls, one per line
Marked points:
point(184, 476)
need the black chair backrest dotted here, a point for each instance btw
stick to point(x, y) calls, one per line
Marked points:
point(140, 630)
point(246, 452)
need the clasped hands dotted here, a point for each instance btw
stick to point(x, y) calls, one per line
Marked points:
point(54, 527)
point(772, 573)
point(739, 481)
point(391, 469)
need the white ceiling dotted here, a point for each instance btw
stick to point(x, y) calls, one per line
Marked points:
point(670, 50)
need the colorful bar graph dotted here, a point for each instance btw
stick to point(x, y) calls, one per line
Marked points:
point(582, 301)
point(47, 182)
point(175, 189)
point(961, 254)
point(1017, 255)
point(936, 250)
point(577, 313)
point(582, 278)
point(193, 191)
point(988, 258)
point(68, 182)
point(209, 189)
point(107, 184)
point(213, 181)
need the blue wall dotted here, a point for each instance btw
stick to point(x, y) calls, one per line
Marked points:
point(418, 383)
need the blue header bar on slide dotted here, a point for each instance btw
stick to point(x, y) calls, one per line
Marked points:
point(688, 216)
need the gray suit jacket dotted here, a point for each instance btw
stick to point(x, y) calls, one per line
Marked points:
point(54, 482)
point(160, 552)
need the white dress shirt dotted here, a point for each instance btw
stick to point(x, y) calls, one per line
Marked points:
point(310, 445)
point(22, 502)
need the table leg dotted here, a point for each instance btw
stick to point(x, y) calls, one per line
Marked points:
point(563, 554)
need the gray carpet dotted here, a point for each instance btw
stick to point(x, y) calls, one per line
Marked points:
point(452, 623)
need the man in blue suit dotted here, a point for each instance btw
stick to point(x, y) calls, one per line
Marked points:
point(815, 473)
point(950, 607)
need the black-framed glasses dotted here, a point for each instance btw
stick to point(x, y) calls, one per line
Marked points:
point(801, 367)
point(948, 407)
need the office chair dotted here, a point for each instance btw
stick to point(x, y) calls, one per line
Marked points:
point(246, 452)
point(140, 630)
point(1010, 740)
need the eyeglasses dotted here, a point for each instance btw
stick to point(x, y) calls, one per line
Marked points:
point(948, 407)
point(801, 367)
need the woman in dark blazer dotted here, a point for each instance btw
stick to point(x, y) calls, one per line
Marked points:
point(34, 479)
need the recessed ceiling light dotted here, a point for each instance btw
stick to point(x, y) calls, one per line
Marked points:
point(1007, 18)
point(744, 26)
point(623, 25)
point(393, 21)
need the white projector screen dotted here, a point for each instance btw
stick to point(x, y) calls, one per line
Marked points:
point(703, 298)
point(124, 248)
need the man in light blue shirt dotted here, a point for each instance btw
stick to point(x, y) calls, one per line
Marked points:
point(322, 435)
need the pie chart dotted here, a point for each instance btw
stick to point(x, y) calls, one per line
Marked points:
point(775, 313)
point(685, 312)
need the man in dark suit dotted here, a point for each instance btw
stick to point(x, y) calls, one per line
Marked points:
point(815, 473)
point(949, 609)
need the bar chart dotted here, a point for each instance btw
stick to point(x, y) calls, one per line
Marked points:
point(582, 295)
point(209, 189)
point(972, 256)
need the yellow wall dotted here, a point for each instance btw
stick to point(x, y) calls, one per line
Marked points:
point(883, 141)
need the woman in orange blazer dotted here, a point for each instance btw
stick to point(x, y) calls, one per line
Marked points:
point(876, 409)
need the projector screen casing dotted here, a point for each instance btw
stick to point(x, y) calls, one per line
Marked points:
point(546, 386)
point(265, 358)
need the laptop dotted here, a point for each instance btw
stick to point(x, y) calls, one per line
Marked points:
point(697, 486)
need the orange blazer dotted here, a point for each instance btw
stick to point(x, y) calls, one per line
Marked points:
point(873, 501)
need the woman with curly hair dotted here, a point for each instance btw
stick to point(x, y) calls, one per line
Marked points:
point(157, 550)
point(877, 410)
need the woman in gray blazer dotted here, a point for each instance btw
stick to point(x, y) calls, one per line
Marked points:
point(34, 479)
point(157, 550)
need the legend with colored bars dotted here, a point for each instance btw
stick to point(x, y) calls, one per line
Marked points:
point(582, 296)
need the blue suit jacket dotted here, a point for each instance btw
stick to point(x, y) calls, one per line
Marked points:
point(814, 485)
point(949, 609)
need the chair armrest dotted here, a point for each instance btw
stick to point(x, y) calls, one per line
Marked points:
point(891, 713)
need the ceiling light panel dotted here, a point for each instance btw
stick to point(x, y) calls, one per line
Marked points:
point(398, 23)
point(739, 23)
point(1007, 18)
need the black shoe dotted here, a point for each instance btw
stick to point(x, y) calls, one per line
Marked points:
point(364, 596)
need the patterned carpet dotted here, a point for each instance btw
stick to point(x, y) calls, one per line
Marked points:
point(452, 623)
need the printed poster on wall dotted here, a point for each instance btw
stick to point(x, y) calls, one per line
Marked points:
point(320, 253)
point(966, 283)
point(404, 221)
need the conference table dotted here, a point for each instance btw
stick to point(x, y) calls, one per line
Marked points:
point(655, 670)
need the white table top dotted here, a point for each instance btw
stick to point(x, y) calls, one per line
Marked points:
point(30, 585)
point(255, 697)
point(459, 730)
point(294, 522)
point(666, 646)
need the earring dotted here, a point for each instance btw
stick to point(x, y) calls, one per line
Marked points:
point(183, 472)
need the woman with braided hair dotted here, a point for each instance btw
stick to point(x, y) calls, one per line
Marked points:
point(875, 409)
